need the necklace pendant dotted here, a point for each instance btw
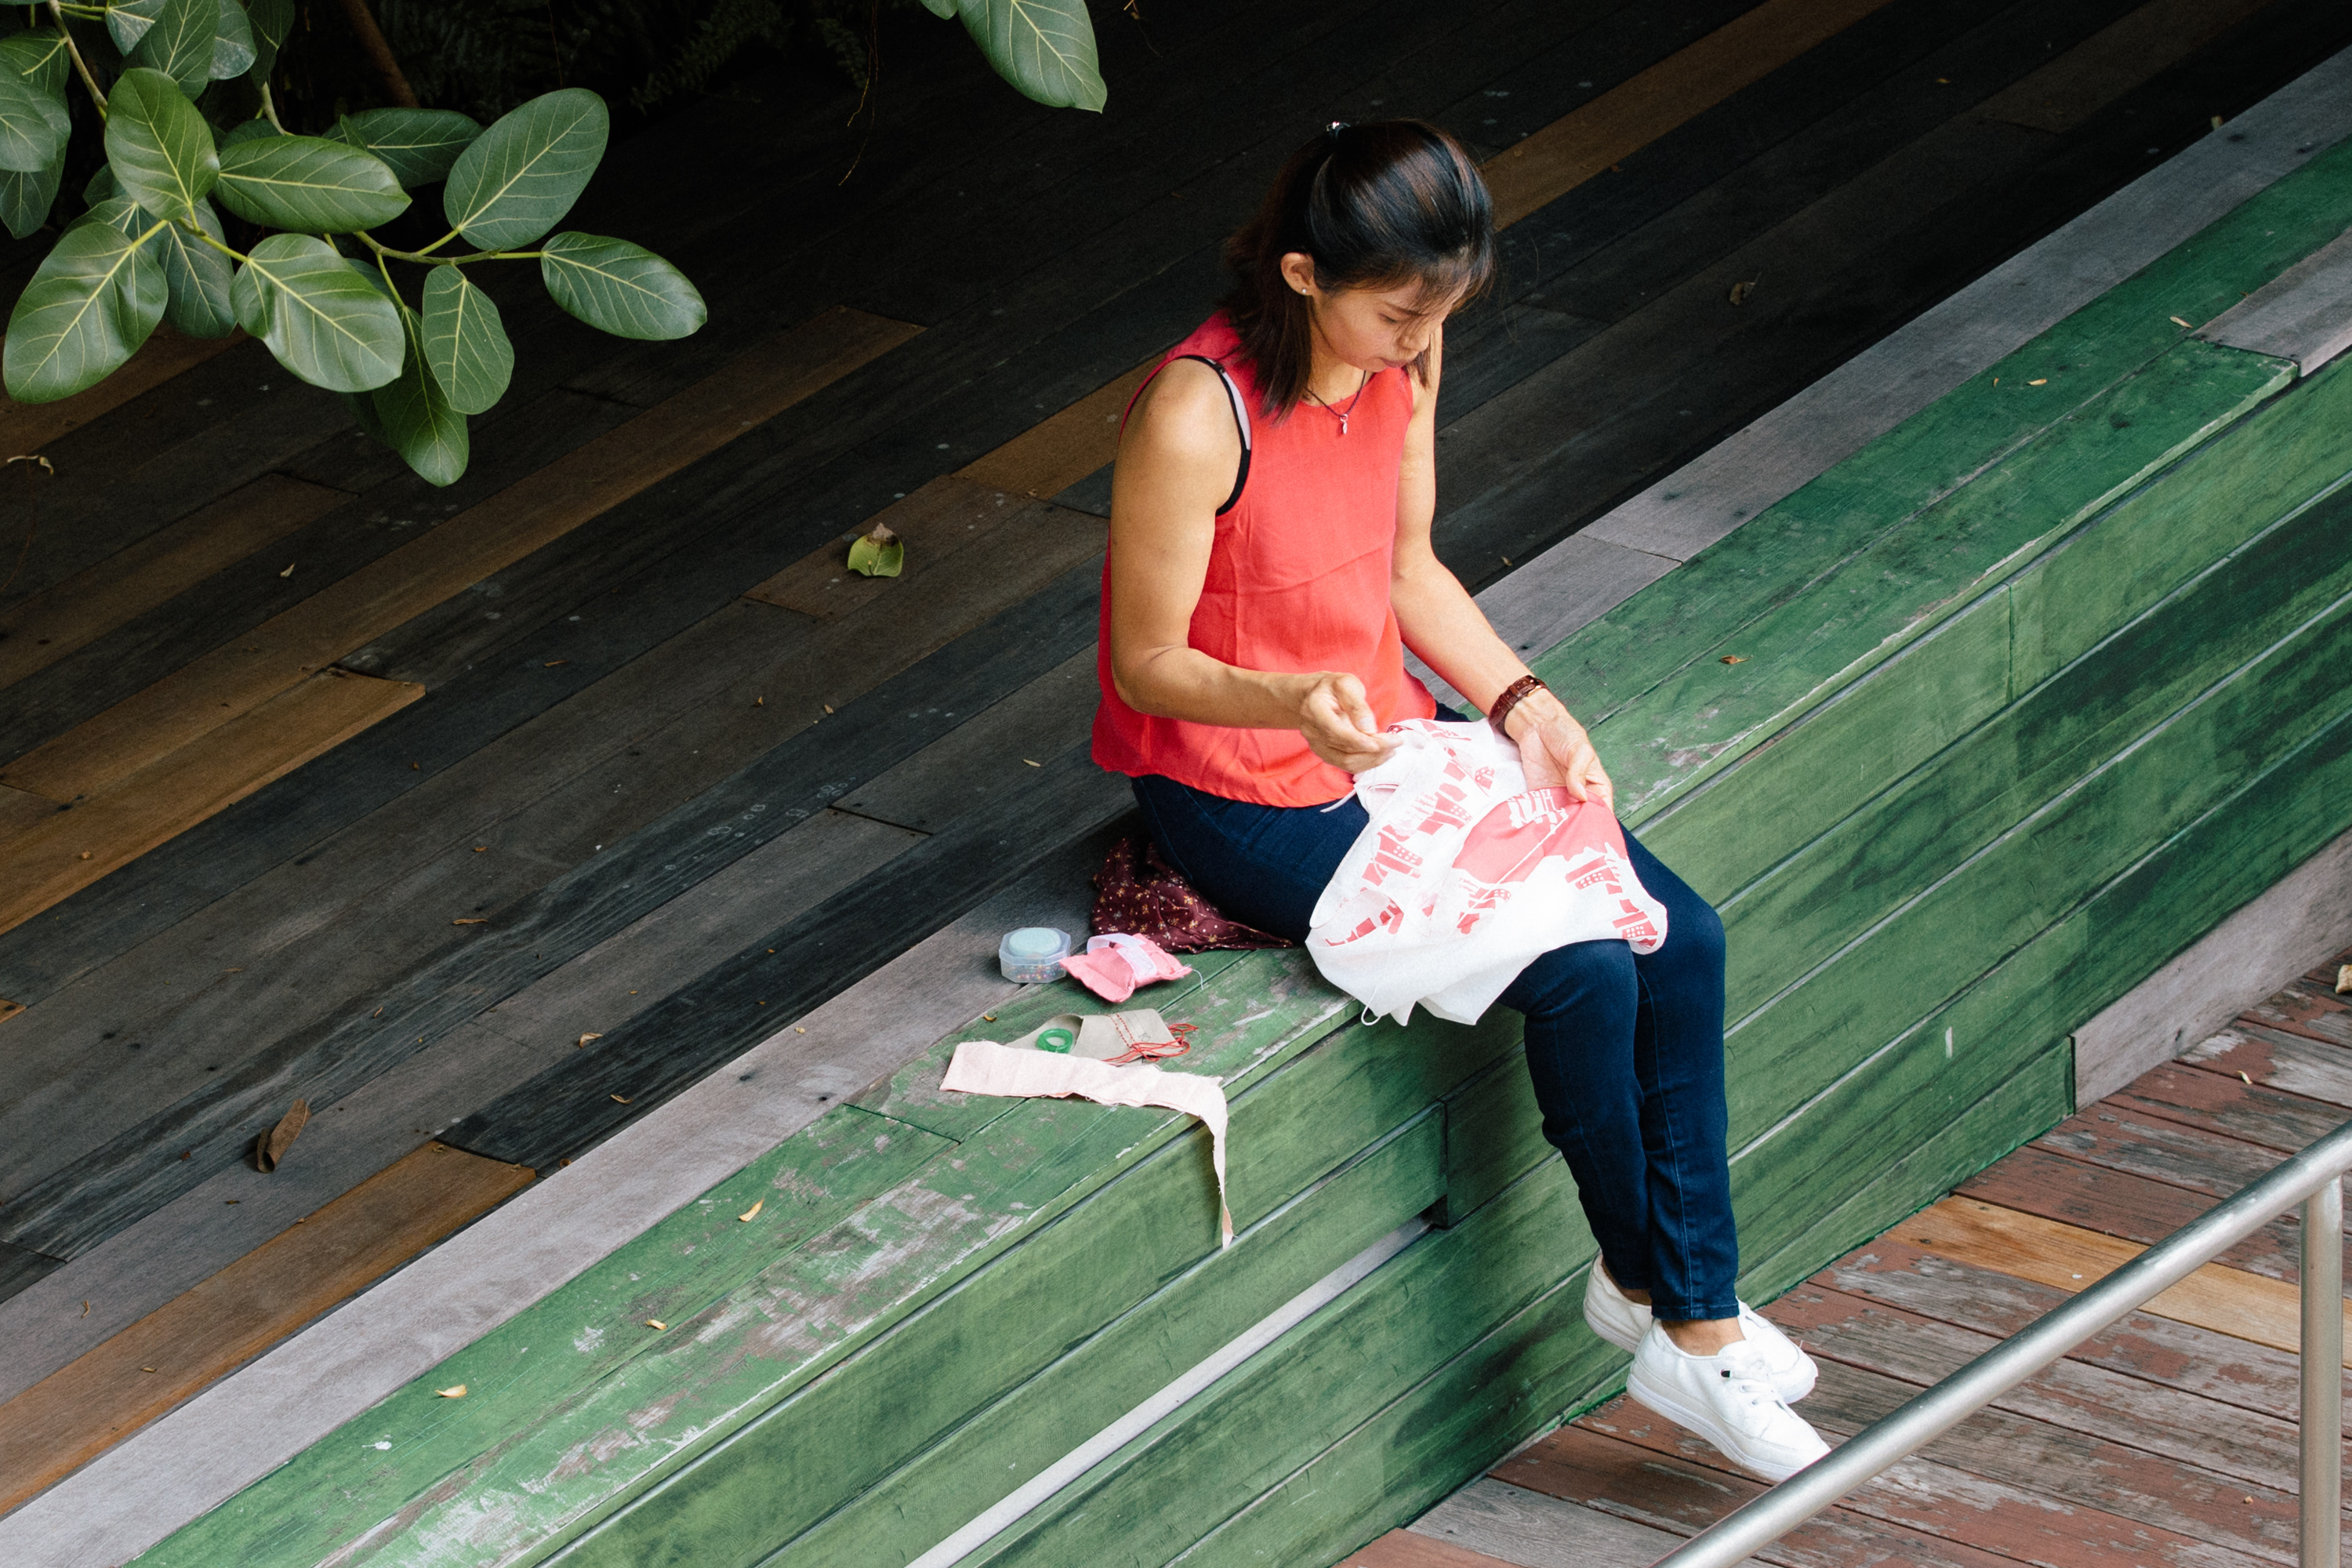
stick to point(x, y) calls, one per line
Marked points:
point(1343, 423)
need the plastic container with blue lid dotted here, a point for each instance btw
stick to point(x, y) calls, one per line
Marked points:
point(1032, 955)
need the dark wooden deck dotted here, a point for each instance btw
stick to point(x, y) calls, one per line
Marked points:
point(487, 819)
point(2169, 1439)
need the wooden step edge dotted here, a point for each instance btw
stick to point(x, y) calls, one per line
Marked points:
point(67, 851)
point(182, 1347)
point(2069, 1257)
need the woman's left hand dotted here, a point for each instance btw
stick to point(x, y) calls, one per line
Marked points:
point(1556, 751)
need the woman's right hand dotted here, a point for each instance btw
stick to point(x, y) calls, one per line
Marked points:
point(1338, 723)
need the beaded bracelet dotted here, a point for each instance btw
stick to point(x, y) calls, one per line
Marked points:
point(1513, 695)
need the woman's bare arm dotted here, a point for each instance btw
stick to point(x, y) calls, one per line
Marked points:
point(1176, 465)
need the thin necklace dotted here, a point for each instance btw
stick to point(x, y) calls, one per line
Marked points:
point(1341, 413)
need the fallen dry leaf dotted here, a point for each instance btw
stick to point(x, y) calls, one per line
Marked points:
point(85, 1308)
point(289, 570)
point(551, 663)
point(469, 921)
point(271, 1149)
point(1741, 291)
point(828, 707)
point(1735, 658)
point(377, 1013)
point(1033, 765)
point(480, 847)
point(2178, 323)
point(146, 1369)
point(622, 1100)
point(656, 1324)
point(85, 854)
point(758, 702)
point(754, 1211)
point(2344, 980)
point(584, 1039)
point(2250, 1082)
point(456, 1393)
point(798, 1030)
point(2039, 381)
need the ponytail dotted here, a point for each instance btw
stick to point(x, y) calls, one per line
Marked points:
point(1376, 206)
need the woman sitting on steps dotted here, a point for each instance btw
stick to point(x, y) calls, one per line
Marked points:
point(1270, 560)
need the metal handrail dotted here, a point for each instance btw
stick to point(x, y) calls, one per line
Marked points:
point(2311, 1178)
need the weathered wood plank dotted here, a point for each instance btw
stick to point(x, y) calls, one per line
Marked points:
point(29, 426)
point(1062, 448)
point(1582, 1463)
point(2274, 1058)
point(2311, 1008)
point(945, 517)
point(1571, 151)
point(1953, 1491)
point(45, 626)
point(967, 770)
point(235, 679)
point(2220, 1367)
point(61, 1423)
point(2215, 1103)
point(2102, 69)
point(20, 1267)
point(67, 851)
point(1404, 1549)
point(2227, 1440)
point(2038, 1181)
point(2227, 1301)
point(2120, 1140)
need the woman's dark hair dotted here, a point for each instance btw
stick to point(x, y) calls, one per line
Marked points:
point(1376, 206)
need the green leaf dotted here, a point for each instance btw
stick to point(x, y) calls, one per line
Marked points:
point(319, 318)
point(418, 422)
point(946, 8)
point(233, 47)
point(362, 407)
point(271, 21)
point(39, 57)
point(880, 554)
point(522, 175)
point(92, 301)
point(159, 147)
point(465, 346)
point(197, 279)
point(626, 290)
point(25, 199)
point(99, 187)
point(308, 184)
point(1046, 48)
point(33, 121)
point(128, 21)
point(418, 145)
point(179, 44)
point(252, 130)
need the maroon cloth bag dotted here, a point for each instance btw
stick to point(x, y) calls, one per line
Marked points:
point(1138, 892)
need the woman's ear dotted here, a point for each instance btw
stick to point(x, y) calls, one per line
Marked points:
point(1299, 272)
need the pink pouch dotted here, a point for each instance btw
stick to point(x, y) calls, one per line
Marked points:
point(1115, 963)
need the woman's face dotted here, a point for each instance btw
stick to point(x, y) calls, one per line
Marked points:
point(1371, 329)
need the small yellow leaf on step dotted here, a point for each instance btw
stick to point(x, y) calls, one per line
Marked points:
point(456, 1392)
point(146, 1369)
point(758, 702)
point(85, 1308)
point(479, 848)
point(1025, 759)
point(85, 854)
point(828, 707)
point(2242, 1073)
point(798, 1030)
point(754, 1211)
point(622, 1100)
point(469, 921)
point(2039, 381)
point(656, 1324)
point(1735, 658)
point(2344, 980)
point(2178, 323)
point(289, 570)
point(584, 1039)
point(551, 663)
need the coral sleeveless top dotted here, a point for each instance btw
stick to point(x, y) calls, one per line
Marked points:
point(1297, 581)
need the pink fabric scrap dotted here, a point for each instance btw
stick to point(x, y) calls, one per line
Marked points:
point(1115, 963)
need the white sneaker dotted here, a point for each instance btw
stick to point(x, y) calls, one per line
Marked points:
point(1728, 1399)
point(1623, 1322)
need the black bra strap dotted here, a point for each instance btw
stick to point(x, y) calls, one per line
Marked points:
point(1241, 423)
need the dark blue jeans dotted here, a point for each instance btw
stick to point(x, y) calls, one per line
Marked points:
point(1626, 1052)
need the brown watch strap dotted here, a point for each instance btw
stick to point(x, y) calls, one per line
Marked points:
point(1512, 696)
